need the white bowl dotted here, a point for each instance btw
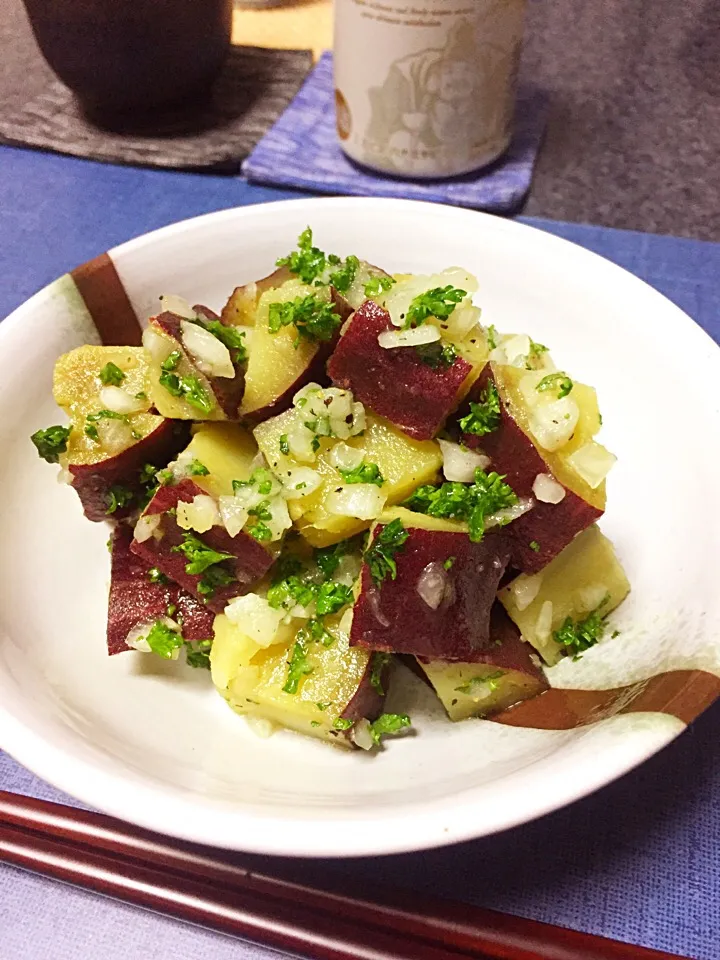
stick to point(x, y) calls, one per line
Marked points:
point(154, 744)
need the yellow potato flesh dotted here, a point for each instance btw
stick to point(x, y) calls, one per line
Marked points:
point(175, 408)
point(251, 679)
point(585, 567)
point(77, 386)
point(228, 451)
point(479, 697)
point(404, 463)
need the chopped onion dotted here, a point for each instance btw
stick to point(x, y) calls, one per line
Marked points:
point(373, 598)
point(517, 349)
point(300, 443)
point(115, 435)
point(348, 570)
point(146, 526)
point(593, 462)
point(497, 355)
point(120, 401)
point(308, 397)
point(398, 299)
point(365, 501)
point(137, 637)
point(64, 476)
point(256, 618)
point(212, 356)
point(279, 520)
point(158, 346)
point(200, 515)
point(233, 514)
point(414, 337)
point(590, 597)
point(525, 589)
point(502, 517)
point(461, 321)
point(177, 305)
point(547, 489)
point(553, 424)
point(543, 624)
point(300, 482)
point(260, 726)
point(460, 464)
point(433, 584)
point(361, 736)
point(346, 458)
point(345, 625)
point(337, 403)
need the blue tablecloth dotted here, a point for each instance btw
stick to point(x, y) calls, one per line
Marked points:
point(639, 861)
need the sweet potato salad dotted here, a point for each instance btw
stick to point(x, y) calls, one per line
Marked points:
point(341, 471)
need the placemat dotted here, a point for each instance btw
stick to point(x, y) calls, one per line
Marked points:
point(636, 861)
point(252, 91)
point(301, 150)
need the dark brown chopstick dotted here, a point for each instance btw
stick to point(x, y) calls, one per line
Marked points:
point(195, 884)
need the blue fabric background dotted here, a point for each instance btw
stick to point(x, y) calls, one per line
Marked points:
point(638, 861)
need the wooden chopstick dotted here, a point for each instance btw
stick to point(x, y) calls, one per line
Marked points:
point(195, 884)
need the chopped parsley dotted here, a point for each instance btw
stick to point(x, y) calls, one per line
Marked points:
point(491, 334)
point(118, 497)
point(377, 668)
point(155, 575)
point(188, 388)
point(233, 339)
point(206, 561)
point(212, 579)
point(307, 262)
point(342, 278)
point(331, 597)
point(51, 442)
point(490, 680)
point(387, 725)
point(147, 474)
point(299, 665)
point(343, 724)
point(363, 473)
point(314, 723)
point(380, 555)
point(536, 351)
point(328, 558)
point(323, 706)
point(197, 469)
point(313, 318)
point(484, 416)
point(470, 502)
point(449, 563)
point(163, 640)
point(198, 654)
point(111, 375)
point(172, 361)
point(534, 546)
point(438, 355)
point(314, 630)
point(378, 285)
point(438, 302)
point(577, 636)
point(556, 381)
point(291, 591)
point(260, 531)
point(284, 444)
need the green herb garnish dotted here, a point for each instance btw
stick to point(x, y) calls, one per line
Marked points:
point(331, 597)
point(51, 442)
point(380, 555)
point(578, 636)
point(188, 388)
point(212, 579)
point(378, 285)
point(343, 278)
point(534, 546)
point(388, 725)
point(449, 563)
point(484, 416)
point(284, 444)
point(172, 361)
point(490, 680)
point(470, 502)
point(438, 302)
point(155, 575)
point(556, 381)
point(342, 724)
point(299, 665)
point(291, 591)
point(198, 654)
point(313, 318)
point(197, 469)
point(233, 339)
point(328, 558)
point(363, 473)
point(163, 640)
point(437, 356)
point(491, 334)
point(307, 262)
point(111, 375)
point(377, 668)
point(118, 498)
point(198, 554)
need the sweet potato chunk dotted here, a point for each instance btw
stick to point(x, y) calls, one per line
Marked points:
point(339, 684)
point(247, 562)
point(106, 451)
point(544, 531)
point(282, 362)
point(585, 577)
point(178, 387)
point(136, 600)
point(505, 676)
point(404, 464)
point(438, 604)
point(395, 383)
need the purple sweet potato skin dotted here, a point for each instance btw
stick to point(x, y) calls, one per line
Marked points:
point(394, 383)
point(394, 617)
point(514, 455)
point(93, 481)
point(134, 600)
point(368, 702)
point(251, 560)
point(314, 372)
point(228, 393)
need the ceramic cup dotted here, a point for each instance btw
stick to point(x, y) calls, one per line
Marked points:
point(121, 56)
point(426, 89)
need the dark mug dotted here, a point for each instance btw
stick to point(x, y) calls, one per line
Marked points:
point(123, 56)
